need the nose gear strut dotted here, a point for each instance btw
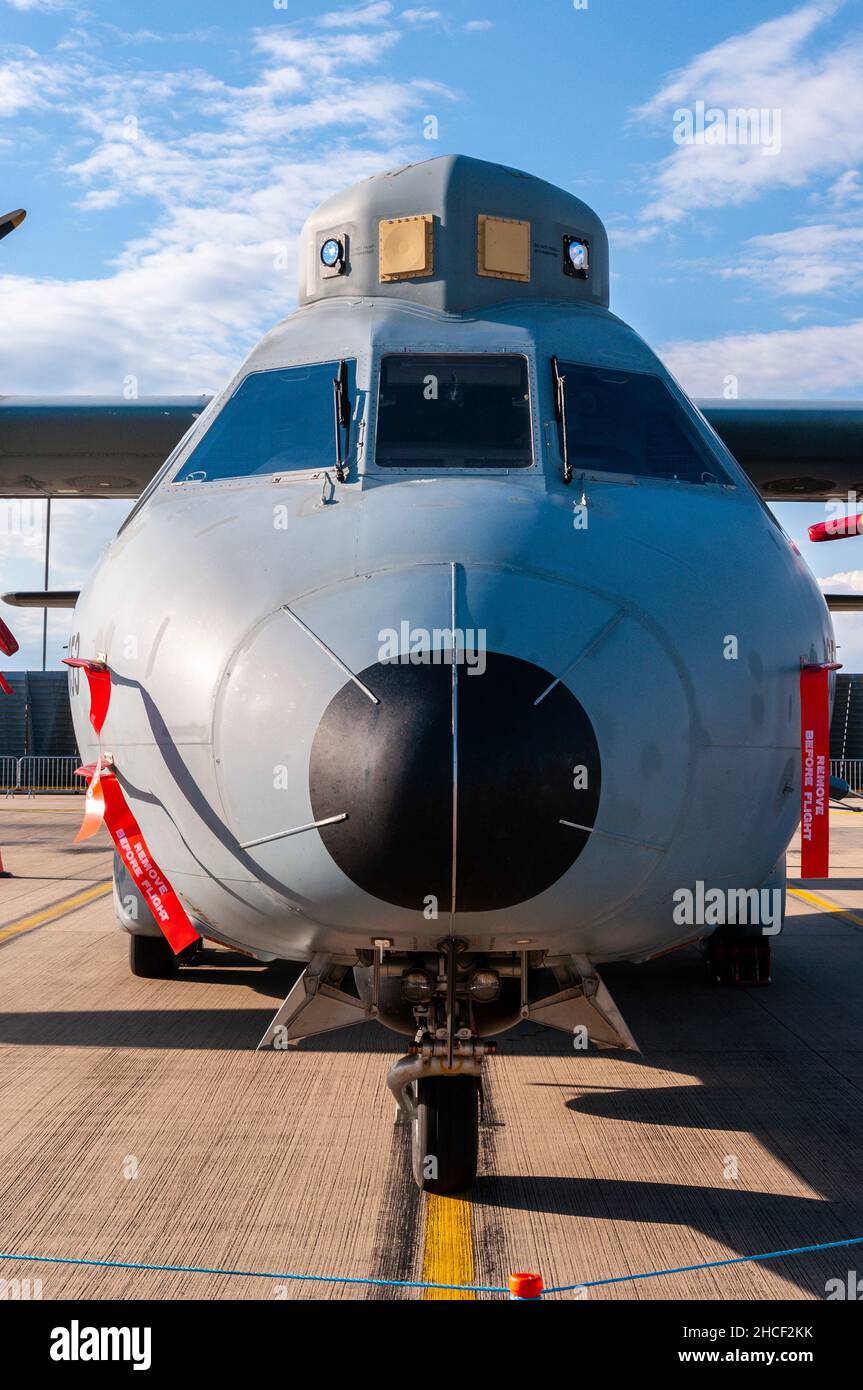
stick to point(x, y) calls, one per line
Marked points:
point(438, 1084)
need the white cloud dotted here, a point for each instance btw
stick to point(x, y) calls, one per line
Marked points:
point(848, 582)
point(224, 177)
point(744, 58)
point(227, 174)
point(812, 259)
point(623, 234)
point(346, 19)
point(37, 4)
point(322, 54)
point(29, 84)
point(478, 26)
point(771, 67)
point(815, 361)
point(848, 188)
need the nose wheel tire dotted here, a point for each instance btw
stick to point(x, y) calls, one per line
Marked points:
point(151, 958)
point(445, 1138)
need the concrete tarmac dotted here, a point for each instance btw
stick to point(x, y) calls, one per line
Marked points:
point(138, 1125)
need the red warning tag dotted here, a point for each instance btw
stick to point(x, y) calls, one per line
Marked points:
point(94, 801)
point(99, 681)
point(815, 780)
point(149, 879)
point(106, 805)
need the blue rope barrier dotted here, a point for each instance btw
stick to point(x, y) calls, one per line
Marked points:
point(252, 1273)
point(708, 1264)
point(418, 1284)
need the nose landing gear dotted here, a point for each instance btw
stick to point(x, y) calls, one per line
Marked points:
point(442, 1104)
point(448, 1000)
point(445, 1138)
point(438, 1085)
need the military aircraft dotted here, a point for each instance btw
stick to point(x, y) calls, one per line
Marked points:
point(451, 642)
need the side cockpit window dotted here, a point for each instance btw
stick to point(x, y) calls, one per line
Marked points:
point(630, 422)
point(275, 422)
point(454, 411)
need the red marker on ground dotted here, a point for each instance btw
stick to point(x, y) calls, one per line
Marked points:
point(525, 1286)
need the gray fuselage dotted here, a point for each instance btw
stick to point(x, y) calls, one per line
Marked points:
point(676, 614)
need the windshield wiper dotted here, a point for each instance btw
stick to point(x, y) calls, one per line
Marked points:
point(342, 419)
point(559, 380)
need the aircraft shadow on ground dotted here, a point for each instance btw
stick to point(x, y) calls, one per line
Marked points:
point(178, 1029)
point(235, 1030)
point(739, 1221)
point(749, 1075)
point(827, 885)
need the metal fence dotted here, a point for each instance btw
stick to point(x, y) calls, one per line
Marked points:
point(31, 775)
point(44, 774)
point(850, 770)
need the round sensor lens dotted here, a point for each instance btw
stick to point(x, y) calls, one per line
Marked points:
point(331, 253)
point(577, 252)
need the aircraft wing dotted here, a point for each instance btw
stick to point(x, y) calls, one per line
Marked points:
point(844, 603)
point(794, 451)
point(102, 447)
point(88, 446)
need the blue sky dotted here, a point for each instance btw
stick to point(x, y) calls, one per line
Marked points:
point(168, 155)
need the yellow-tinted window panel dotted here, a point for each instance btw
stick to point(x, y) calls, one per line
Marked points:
point(503, 248)
point(407, 247)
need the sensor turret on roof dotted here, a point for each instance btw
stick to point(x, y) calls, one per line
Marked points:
point(455, 234)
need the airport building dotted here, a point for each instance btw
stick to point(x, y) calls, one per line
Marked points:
point(37, 741)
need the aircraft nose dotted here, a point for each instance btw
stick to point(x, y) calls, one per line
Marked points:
point(477, 792)
point(353, 804)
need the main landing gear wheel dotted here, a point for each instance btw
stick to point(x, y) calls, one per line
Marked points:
point(739, 962)
point(151, 958)
point(445, 1137)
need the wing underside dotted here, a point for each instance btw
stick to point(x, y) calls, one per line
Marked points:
point(794, 451)
point(88, 446)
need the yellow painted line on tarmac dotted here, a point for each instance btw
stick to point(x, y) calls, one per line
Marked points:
point(826, 904)
point(60, 909)
point(448, 1255)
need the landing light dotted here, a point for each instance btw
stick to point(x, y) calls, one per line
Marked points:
point(484, 986)
point(417, 986)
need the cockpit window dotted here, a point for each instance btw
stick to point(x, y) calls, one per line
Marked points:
point(275, 422)
point(456, 411)
point(629, 422)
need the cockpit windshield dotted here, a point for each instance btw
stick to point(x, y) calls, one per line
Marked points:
point(629, 422)
point(457, 411)
point(275, 422)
